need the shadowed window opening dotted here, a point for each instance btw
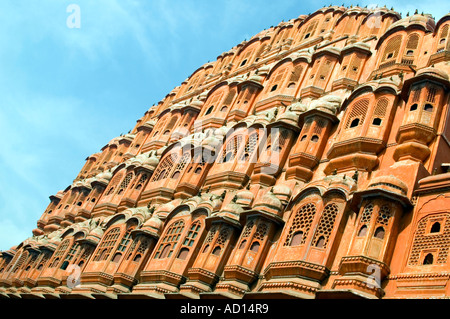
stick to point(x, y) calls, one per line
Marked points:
point(354, 123)
point(297, 238)
point(255, 246)
point(320, 243)
point(376, 121)
point(117, 257)
point(428, 260)
point(379, 233)
point(216, 251)
point(428, 108)
point(436, 228)
point(183, 253)
point(362, 231)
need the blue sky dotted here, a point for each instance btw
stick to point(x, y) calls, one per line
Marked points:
point(65, 92)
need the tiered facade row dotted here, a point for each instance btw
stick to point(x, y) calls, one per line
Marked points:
point(310, 161)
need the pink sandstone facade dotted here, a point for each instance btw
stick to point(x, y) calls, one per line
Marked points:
point(311, 161)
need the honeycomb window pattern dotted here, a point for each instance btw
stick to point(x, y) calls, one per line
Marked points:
point(302, 222)
point(384, 216)
point(367, 214)
point(424, 241)
point(248, 229)
point(326, 225)
point(211, 234)
point(223, 236)
point(261, 231)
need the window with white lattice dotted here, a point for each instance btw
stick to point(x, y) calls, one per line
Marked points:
point(232, 148)
point(165, 167)
point(250, 147)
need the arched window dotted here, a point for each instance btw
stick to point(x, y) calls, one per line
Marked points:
point(428, 108)
point(354, 123)
point(126, 181)
point(325, 226)
point(302, 222)
point(412, 43)
point(183, 253)
point(209, 110)
point(217, 251)
point(164, 167)
point(376, 121)
point(107, 244)
point(362, 231)
point(60, 253)
point(297, 238)
point(251, 146)
point(379, 233)
point(357, 113)
point(255, 246)
point(117, 257)
point(392, 48)
point(277, 79)
point(192, 235)
point(170, 240)
point(231, 148)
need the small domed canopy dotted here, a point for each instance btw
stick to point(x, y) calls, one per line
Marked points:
point(244, 197)
point(390, 183)
point(289, 117)
point(152, 227)
point(146, 160)
point(269, 203)
point(357, 46)
point(282, 192)
point(329, 51)
point(95, 235)
point(384, 186)
point(103, 178)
